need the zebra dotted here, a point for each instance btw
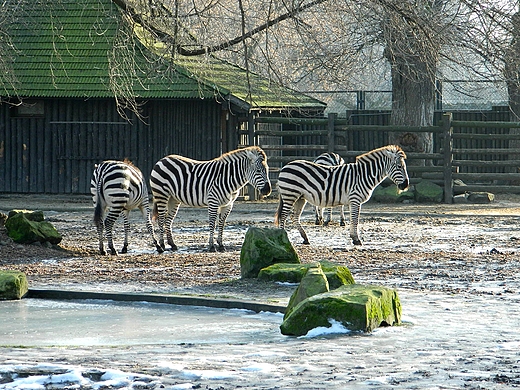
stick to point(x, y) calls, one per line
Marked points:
point(302, 181)
point(328, 159)
point(119, 187)
point(214, 184)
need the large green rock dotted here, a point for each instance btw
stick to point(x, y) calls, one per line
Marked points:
point(284, 272)
point(337, 275)
point(391, 194)
point(357, 307)
point(27, 227)
point(428, 192)
point(263, 247)
point(314, 282)
point(13, 285)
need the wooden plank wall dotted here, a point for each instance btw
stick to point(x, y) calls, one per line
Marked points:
point(56, 153)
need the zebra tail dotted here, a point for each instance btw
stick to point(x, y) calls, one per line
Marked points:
point(155, 211)
point(278, 212)
point(98, 213)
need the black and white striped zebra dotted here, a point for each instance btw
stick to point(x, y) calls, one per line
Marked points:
point(329, 159)
point(119, 187)
point(177, 180)
point(302, 181)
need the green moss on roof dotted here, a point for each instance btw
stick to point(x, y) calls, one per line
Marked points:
point(63, 49)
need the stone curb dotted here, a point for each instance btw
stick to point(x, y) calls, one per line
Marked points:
point(257, 307)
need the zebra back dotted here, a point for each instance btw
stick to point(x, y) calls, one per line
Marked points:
point(191, 181)
point(329, 159)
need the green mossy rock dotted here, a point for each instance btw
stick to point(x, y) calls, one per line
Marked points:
point(391, 194)
point(13, 285)
point(357, 307)
point(36, 216)
point(263, 247)
point(428, 192)
point(314, 282)
point(337, 275)
point(27, 227)
point(284, 272)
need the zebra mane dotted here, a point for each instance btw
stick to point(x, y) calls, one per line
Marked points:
point(128, 162)
point(253, 149)
point(394, 149)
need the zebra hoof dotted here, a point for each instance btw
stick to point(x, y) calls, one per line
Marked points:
point(173, 247)
point(123, 250)
point(306, 242)
point(159, 249)
point(342, 223)
point(221, 248)
point(357, 242)
point(103, 252)
point(113, 252)
point(212, 248)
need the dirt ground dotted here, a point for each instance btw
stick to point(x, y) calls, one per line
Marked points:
point(471, 249)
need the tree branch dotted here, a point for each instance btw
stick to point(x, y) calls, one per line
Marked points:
point(167, 38)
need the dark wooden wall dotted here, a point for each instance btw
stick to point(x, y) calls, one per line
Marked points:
point(55, 151)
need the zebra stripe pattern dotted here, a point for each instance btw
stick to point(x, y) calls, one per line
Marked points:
point(119, 187)
point(214, 184)
point(329, 159)
point(302, 181)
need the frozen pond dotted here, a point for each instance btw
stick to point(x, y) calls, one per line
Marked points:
point(446, 341)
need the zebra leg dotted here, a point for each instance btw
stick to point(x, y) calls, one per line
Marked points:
point(298, 209)
point(149, 227)
point(212, 219)
point(319, 215)
point(100, 226)
point(354, 219)
point(224, 213)
point(111, 218)
point(126, 223)
point(329, 216)
point(342, 216)
point(172, 213)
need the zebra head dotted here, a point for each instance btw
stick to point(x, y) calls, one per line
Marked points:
point(397, 167)
point(257, 170)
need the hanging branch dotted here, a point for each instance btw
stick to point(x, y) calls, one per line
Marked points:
point(167, 38)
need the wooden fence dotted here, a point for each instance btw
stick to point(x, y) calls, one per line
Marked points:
point(468, 155)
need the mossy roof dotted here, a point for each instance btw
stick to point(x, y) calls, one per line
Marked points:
point(64, 48)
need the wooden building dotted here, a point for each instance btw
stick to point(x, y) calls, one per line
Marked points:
point(59, 117)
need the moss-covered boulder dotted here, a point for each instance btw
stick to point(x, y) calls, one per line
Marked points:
point(337, 275)
point(391, 194)
point(13, 285)
point(314, 282)
point(284, 272)
point(357, 307)
point(428, 192)
point(263, 247)
point(27, 227)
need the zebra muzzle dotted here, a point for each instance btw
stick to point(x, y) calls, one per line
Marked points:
point(403, 186)
point(266, 189)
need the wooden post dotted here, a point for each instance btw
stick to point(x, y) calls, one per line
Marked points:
point(251, 191)
point(448, 157)
point(251, 128)
point(330, 135)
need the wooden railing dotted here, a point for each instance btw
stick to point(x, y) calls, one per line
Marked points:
point(457, 164)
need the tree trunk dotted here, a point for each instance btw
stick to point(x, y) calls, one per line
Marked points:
point(413, 102)
point(512, 76)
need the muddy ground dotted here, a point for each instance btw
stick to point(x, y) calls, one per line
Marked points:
point(471, 249)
